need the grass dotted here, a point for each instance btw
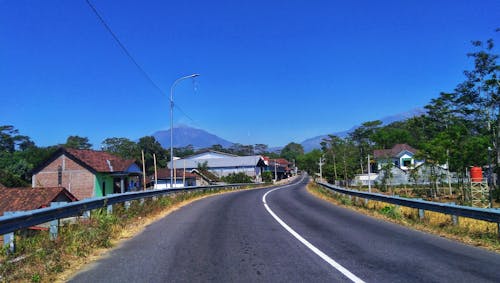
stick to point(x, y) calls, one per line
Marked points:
point(470, 231)
point(39, 259)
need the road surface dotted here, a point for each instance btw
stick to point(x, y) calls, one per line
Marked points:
point(297, 238)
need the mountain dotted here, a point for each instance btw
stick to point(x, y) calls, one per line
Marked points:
point(185, 135)
point(314, 143)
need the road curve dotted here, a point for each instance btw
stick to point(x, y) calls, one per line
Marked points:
point(233, 237)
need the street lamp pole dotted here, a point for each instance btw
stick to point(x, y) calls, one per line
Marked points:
point(172, 125)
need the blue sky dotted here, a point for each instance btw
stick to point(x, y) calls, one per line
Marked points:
point(271, 71)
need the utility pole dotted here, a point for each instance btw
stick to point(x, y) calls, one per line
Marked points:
point(321, 160)
point(369, 178)
point(156, 171)
point(275, 171)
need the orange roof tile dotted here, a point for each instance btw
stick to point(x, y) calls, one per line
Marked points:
point(23, 199)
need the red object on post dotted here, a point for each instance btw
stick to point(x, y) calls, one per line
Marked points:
point(476, 174)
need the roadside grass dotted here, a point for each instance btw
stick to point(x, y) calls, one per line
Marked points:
point(39, 259)
point(469, 231)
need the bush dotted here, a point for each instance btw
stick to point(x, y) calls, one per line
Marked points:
point(267, 176)
point(236, 178)
point(391, 211)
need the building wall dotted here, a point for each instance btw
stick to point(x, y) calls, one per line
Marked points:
point(250, 171)
point(75, 178)
point(103, 181)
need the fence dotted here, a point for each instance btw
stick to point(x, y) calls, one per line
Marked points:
point(14, 221)
point(485, 214)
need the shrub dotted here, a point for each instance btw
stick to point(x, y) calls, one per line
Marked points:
point(267, 176)
point(236, 178)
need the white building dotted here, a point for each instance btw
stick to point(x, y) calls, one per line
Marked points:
point(400, 155)
point(222, 164)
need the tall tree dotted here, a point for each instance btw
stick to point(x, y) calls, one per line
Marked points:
point(122, 147)
point(78, 142)
point(151, 146)
point(362, 138)
point(291, 151)
point(260, 148)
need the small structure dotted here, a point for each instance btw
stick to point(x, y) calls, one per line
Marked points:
point(88, 173)
point(25, 199)
point(182, 179)
point(222, 164)
point(205, 177)
point(279, 167)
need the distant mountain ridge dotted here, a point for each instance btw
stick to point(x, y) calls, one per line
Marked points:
point(198, 138)
point(185, 135)
point(314, 143)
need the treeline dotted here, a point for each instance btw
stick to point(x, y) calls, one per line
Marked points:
point(19, 155)
point(459, 128)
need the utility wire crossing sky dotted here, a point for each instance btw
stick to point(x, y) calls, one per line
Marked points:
point(272, 72)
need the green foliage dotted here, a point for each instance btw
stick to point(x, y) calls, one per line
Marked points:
point(151, 146)
point(292, 151)
point(267, 176)
point(237, 178)
point(391, 211)
point(122, 147)
point(78, 142)
point(309, 161)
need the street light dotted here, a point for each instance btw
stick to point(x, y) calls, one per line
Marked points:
point(172, 124)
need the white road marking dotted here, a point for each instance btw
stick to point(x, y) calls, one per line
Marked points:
point(317, 251)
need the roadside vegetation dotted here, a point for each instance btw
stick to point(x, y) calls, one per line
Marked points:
point(460, 128)
point(470, 231)
point(39, 259)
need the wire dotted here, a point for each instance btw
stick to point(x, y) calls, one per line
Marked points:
point(122, 46)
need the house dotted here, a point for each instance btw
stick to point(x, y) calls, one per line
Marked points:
point(403, 169)
point(400, 155)
point(24, 199)
point(222, 164)
point(279, 167)
point(88, 173)
point(181, 179)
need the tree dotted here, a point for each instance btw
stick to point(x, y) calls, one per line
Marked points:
point(362, 139)
point(77, 142)
point(122, 147)
point(260, 148)
point(151, 146)
point(184, 151)
point(309, 161)
point(292, 151)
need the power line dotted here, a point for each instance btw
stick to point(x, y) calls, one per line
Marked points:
point(122, 46)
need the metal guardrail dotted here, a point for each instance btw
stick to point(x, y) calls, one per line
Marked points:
point(490, 215)
point(31, 218)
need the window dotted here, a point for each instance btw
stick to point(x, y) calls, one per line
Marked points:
point(59, 176)
point(407, 162)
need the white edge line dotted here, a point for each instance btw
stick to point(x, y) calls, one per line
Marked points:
point(315, 250)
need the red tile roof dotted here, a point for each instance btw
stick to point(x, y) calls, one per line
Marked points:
point(100, 161)
point(394, 151)
point(23, 199)
point(164, 173)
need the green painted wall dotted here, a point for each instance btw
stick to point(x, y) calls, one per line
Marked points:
point(99, 179)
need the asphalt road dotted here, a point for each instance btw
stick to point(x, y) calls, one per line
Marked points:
point(234, 238)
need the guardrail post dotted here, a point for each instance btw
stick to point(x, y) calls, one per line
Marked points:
point(127, 205)
point(142, 201)
point(54, 224)
point(9, 239)
point(86, 214)
point(109, 207)
point(454, 218)
point(421, 212)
